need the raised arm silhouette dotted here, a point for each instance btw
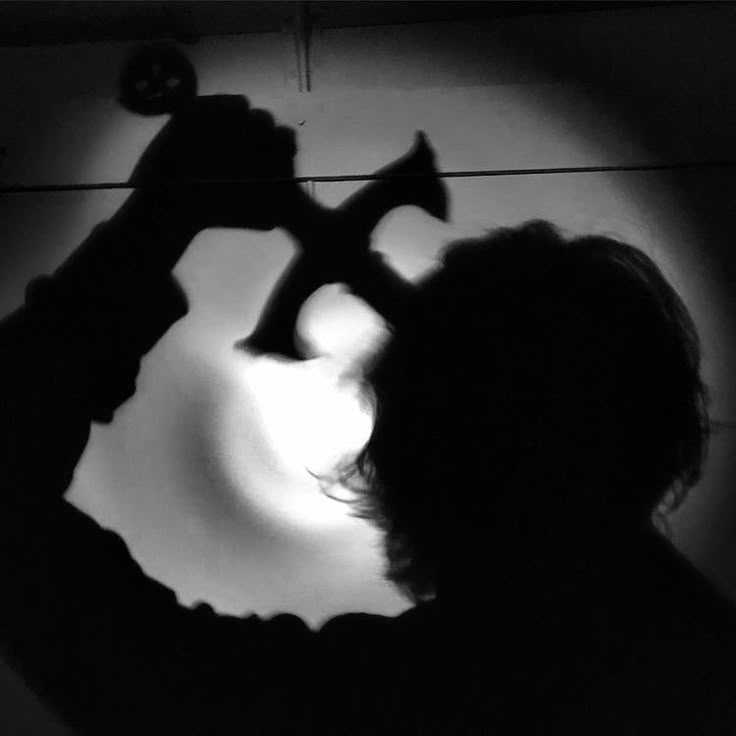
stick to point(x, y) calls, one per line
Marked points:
point(537, 405)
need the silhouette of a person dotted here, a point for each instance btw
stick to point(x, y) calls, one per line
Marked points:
point(537, 405)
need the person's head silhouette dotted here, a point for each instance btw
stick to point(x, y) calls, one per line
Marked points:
point(537, 381)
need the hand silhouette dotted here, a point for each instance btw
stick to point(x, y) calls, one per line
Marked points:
point(216, 152)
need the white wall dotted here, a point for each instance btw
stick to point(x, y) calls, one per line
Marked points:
point(593, 89)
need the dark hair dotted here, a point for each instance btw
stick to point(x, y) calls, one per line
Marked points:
point(531, 370)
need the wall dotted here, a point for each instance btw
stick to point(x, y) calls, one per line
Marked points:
point(207, 506)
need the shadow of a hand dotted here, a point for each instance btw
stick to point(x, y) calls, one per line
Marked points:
point(231, 162)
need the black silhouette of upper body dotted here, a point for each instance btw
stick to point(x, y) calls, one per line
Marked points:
point(535, 408)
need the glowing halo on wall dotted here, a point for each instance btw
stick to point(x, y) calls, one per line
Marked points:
point(122, 137)
point(82, 135)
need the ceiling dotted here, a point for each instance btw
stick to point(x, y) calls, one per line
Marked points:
point(59, 21)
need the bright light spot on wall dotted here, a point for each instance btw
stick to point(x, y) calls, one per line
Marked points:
point(312, 419)
point(282, 424)
point(336, 324)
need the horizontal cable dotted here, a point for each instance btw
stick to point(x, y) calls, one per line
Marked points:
point(479, 173)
